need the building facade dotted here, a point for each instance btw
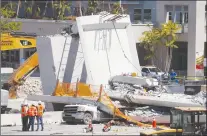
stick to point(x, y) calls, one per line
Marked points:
point(190, 15)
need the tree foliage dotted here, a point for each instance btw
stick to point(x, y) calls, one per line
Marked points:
point(116, 8)
point(92, 7)
point(61, 7)
point(5, 24)
point(163, 36)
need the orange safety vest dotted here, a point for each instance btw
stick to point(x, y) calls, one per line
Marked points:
point(32, 111)
point(24, 111)
point(40, 110)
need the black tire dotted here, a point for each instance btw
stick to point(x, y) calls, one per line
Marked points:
point(87, 117)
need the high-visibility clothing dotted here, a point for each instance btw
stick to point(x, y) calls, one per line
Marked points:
point(40, 110)
point(24, 111)
point(32, 111)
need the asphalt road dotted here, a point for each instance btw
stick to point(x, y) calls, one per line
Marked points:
point(64, 129)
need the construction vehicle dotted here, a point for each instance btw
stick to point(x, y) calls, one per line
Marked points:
point(5, 74)
point(84, 113)
point(13, 41)
point(183, 121)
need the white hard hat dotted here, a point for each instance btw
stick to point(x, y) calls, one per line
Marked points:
point(39, 102)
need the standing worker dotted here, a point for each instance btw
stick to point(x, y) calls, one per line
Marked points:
point(24, 117)
point(40, 111)
point(173, 75)
point(32, 112)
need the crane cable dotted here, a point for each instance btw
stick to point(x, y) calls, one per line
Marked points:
point(123, 49)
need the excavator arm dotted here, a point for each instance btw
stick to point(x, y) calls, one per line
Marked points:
point(20, 75)
point(14, 41)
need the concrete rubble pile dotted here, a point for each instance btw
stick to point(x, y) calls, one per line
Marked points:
point(32, 86)
point(161, 92)
point(146, 112)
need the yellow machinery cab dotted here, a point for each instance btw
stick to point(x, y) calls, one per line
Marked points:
point(183, 121)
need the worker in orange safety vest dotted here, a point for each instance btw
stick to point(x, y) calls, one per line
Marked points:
point(32, 112)
point(24, 117)
point(40, 111)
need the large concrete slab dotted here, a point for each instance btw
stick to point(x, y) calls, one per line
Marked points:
point(105, 53)
point(161, 100)
point(50, 50)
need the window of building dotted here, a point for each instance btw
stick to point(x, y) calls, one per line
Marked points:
point(169, 16)
point(147, 15)
point(137, 15)
point(177, 13)
point(15, 56)
point(169, 10)
point(185, 17)
point(178, 17)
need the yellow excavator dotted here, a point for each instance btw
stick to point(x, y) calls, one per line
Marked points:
point(183, 121)
point(19, 40)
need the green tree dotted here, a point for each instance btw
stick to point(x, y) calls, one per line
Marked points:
point(163, 37)
point(5, 24)
point(116, 8)
point(12, 6)
point(60, 8)
point(28, 9)
point(92, 7)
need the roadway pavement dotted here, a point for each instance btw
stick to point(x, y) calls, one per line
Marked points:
point(63, 129)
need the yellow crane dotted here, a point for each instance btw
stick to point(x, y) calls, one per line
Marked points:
point(19, 40)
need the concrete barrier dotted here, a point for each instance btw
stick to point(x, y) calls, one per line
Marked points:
point(15, 119)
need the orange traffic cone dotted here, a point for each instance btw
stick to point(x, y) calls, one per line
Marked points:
point(154, 124)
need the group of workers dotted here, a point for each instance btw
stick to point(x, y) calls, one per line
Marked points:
point(30, 113)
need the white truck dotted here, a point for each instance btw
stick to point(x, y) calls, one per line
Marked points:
point(4, 100)
point(5, 74)
point(84, 113)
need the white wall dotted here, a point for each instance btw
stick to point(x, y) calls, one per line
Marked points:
point(196, 33)
point(75, 68)
point(138, 29)
point(99, 69)
point(49, 51)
